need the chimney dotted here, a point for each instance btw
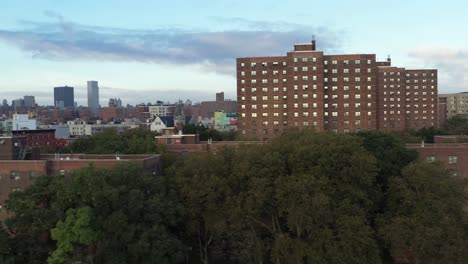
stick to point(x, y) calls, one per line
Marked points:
point(313, 42)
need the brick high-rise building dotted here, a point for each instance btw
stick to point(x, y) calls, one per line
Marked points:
point(340, 93)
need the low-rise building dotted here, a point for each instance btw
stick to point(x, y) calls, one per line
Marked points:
point(452, 155)
point(225, 121)
point(161, 122)
point(17, 175)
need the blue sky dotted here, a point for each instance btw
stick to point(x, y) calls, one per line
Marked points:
point(143, 51)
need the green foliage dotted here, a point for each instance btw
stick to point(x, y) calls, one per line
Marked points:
point(206, 133)
point(75, 230)
point(35, 216)
point(424, 221)
point(97, 216)
point(303, 198)
point(391, 153)
point(5, 250)
point(427, 134)
point(109, 141)
point(456, 125)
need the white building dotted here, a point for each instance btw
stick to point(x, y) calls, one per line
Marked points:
point(158, 124)
point(160, 110)
point(18, 122)
point(94, 129)
point(77, 127)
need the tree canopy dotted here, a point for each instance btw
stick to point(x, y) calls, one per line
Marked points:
point(303, 198)
point(132, 141)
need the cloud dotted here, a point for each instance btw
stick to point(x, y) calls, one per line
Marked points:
point(208, 50)
point(452, 65)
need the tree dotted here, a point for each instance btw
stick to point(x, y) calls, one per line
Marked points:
point(76, 230)
point(456, 125)
point(5, 250)
point(424, 220)
point(303, 198)
point(97, 216)
point(33, 216)
point(109, 141)
point(108, 211)
point(140, 141)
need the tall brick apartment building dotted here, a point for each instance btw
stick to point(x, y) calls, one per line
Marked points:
point(339, 93)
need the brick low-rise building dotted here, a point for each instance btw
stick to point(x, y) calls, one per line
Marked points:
point(454, 156)
point(339, 93)
point(17, 175)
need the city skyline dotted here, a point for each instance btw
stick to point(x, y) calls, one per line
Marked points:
point(168, 52)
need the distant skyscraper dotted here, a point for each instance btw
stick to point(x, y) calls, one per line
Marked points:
point(93, 96)
point(17, 103)
point(29, 101)
point(5, 102)
point(64, 97)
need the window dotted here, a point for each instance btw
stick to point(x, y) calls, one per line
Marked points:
point(452, 159)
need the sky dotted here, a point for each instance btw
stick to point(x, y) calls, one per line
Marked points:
point(148, 50)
